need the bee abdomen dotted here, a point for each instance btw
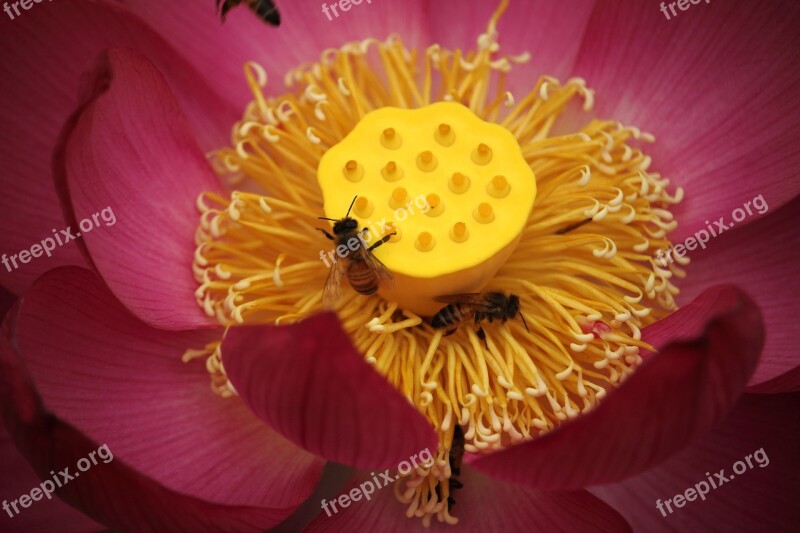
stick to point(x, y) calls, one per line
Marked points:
point(362, 280)
point(447, 316)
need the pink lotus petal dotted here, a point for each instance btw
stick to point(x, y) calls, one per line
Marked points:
point(761, 498)
point(131, 152)
point(18, 402)
point(116, 495)
point(762, 259)
point(120, 382)
point(712, 347)
point(483, 504)
point(222, 49)
point(7, 300)
point(43, 515)
point(788, 382)
point(716, 86)
point(309, 383)
point(45, 51)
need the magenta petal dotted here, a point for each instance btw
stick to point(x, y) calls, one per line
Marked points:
point(7, 300)
point(788, 382)
point(45, 515)
point(120, 382)
point(309, 383)
point(45, 52)
point(710, 349)
point(484, 504)
point(762, 259)
point(717, 87)
point(18, 402)
point(304, 33)
point(114, 494)
point(762, 498)
point(132, 153)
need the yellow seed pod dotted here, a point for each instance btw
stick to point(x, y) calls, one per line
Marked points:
point(457, 186)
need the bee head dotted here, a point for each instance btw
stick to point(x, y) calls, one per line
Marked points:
point(345, 224)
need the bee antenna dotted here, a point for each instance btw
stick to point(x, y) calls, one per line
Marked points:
point(523, 322)
point(351, 206)
point(326, 218)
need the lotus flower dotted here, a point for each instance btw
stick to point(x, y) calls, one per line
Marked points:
point(636, 374)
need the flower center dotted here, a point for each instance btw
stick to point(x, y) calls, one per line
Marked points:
point(455, 189)
point(576, 245)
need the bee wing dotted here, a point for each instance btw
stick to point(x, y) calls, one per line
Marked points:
point(375, 264)
point(333, 284)
point(475, 298)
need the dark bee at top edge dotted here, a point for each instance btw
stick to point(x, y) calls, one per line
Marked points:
point(265, 9)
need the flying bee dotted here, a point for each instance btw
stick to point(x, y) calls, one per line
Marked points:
point(363, 270)
point(479, 307)
point(265, 9)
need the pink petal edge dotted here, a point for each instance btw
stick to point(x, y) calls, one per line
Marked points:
point(117, 381)
point(132, 158)
point(309, 383)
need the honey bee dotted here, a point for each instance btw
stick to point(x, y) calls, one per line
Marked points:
point(456, 454)
point(265, 9)
point(478, 306)
point(363, 270)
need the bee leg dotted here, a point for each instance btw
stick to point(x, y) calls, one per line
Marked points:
point(481, 335)
point(449, 332)
point(383, 240)
point(328, 235)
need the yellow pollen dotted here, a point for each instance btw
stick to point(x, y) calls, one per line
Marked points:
point(459, 232)
point(353, 171)
point(484, 213)
point(398, 198)
point(444, 135)
point(363, 207)
point(435, 205)
point(390, 139)
point(391, 172)
point(425, 242)
point(499, 187)
point(459, 183)
point(482, 155)
point(427, 162)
